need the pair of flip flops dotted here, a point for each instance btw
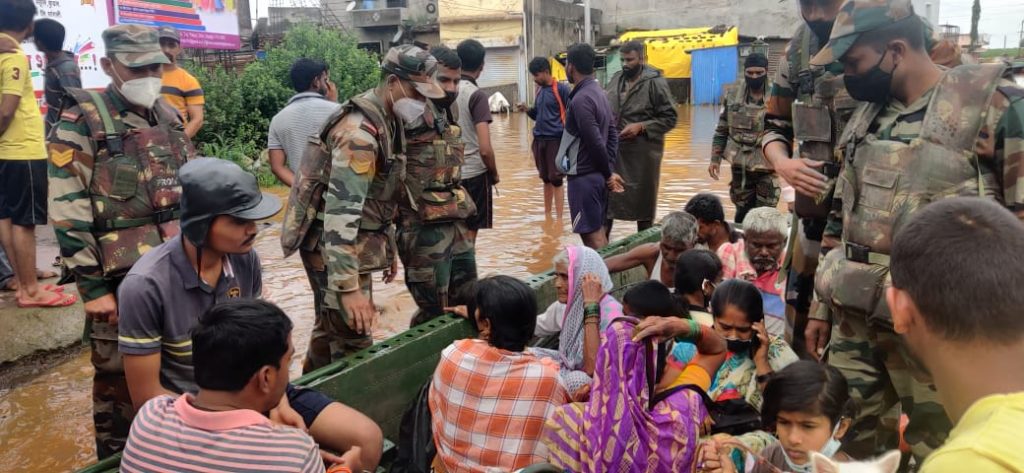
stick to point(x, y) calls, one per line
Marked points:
point(59, 299)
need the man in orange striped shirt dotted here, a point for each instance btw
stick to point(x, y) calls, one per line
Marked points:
point(181, 89)
point(241, 350)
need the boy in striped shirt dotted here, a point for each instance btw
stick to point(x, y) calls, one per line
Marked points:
point(241, 350)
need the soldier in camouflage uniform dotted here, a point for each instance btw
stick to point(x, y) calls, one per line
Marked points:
point(808, 109)
point(342, 206)
point(433, 242)
point(921, 133)
point(738, 140)
point(114, 157)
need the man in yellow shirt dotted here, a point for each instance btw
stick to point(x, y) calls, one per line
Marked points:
point(23, 180)
point(965, 326)
point(181, 89)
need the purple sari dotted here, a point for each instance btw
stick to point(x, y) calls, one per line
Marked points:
point(615, 431)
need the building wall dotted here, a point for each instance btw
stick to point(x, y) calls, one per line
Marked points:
point(553, 25)
point(753, 17)
point(928, 9)
point(417, 14)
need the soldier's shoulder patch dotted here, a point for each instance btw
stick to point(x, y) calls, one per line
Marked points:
point(362, 161)
point(71, 114)
point(61, 157)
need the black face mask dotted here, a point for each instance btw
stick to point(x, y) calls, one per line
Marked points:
point(447, 100)
point(735, 345)
point(821, 29)
point(755, 82)
point(871, 86)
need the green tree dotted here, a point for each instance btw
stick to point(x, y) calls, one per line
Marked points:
point(239, 105)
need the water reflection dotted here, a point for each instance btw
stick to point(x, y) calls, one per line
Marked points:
point(45, 424)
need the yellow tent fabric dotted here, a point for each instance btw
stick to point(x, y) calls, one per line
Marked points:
point(667, 49)
point(557, 71)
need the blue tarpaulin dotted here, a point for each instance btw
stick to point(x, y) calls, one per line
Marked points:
point(713, 68)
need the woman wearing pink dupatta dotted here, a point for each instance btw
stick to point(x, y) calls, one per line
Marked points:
point(617, 430)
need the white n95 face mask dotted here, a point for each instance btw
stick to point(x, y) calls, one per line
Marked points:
point(142, 92)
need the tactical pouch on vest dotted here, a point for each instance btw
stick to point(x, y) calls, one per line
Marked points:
point(445, 206)
point(134, 190)
point(812, 128)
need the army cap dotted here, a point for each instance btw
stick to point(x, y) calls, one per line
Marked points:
point(211, 187)
point(169, 32)
point(415, 65)
point(857, 17)
point(134, 45)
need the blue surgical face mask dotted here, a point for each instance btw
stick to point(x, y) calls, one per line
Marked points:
point(829, 450)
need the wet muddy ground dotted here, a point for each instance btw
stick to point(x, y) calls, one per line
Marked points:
point(46, 422)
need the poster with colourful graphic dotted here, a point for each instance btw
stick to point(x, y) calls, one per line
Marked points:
point(209, 24)
point(84, 22)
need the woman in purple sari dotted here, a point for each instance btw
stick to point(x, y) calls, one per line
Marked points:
point(617, 430)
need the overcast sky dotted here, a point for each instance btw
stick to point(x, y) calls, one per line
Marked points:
point(999, 18)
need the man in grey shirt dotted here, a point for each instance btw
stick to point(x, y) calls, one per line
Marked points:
point(212, 261)
point(303, 117)
point(480, 172)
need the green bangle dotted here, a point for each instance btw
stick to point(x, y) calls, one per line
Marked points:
point(694, 332)
point(592, 308)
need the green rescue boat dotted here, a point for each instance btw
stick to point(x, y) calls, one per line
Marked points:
point(383, 380)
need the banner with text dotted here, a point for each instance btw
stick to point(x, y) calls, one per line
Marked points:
point(84, 22)
point(208, 24)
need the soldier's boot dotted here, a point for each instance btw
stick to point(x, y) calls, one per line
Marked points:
point(112, 404)
point(853, 351)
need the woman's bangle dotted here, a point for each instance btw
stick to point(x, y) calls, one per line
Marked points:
point(592, 308)
point(693, 334)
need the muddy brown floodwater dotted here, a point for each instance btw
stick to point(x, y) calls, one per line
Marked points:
point(46, 423)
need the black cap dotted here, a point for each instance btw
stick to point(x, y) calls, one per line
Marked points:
point(755, 60)
point(211, 187)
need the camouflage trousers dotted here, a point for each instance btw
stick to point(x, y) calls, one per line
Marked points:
point(112, 410)
point(883, 375)
point(332, 338)
point(752, 189)
point(439, 260)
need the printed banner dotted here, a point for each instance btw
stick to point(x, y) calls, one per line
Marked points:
point(84, 22)
point(209, 24)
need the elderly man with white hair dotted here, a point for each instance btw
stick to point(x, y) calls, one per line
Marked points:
point(757, 258)
point(678, 234)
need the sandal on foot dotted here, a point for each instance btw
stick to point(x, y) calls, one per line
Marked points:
point(58, 300)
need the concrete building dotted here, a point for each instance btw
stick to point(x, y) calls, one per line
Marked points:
point(929, 9)
point(379, 23)
point(513, 31)
point(768, 18)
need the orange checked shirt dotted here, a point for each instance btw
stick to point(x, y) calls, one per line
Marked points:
point(489, 405)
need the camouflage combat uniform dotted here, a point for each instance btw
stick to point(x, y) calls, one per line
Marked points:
point(341, 218)
point(808, 109)
point(436, 253)
point(113, 196)
point(738, 141)
point(964, 137)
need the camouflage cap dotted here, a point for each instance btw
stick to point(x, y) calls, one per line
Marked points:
point(415, 65)
point(857, 17)
point(134, 45)
point(169, 32)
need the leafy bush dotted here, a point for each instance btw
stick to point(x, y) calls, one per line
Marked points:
point(239, 106)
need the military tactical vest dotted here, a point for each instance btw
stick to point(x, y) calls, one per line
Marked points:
point(134, 188)
point(433, 171)
point(886, 181)
point(303, 219)
point(820, 112)
point(746, 124)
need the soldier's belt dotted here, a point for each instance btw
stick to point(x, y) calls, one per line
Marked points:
point(863, 254)
point(158, 217)
point(363, 227)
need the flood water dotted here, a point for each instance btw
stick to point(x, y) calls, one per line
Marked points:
point(46, 423)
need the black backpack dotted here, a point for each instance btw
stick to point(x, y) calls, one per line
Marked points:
point(416, 449)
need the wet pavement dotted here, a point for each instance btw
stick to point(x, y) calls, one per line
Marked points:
point(46, 422)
